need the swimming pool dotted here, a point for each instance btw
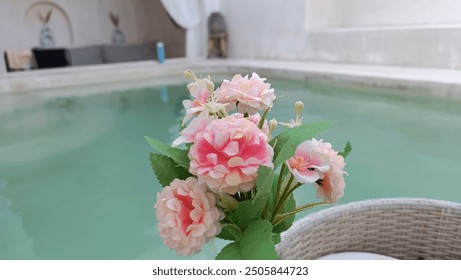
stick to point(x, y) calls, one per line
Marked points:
point(75, 181)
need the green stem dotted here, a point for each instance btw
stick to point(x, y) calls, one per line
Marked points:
point(279, 189)
point(228, 218)
point(261, 121)
point(265, 212)
point(280, 217)
point(290, 191)
point(233, 226)
point(286, 195)
point(236, 228)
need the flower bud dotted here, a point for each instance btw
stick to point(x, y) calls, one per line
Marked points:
point(189, 75)
point(272, 126)
point(222, 112)
point(210, 85)
point(299, 107)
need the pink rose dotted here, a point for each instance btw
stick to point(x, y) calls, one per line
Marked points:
point(309, 162)
point(196, 126)
point(255, 119)
point(227, 154)
point(187, 216)
point(249, 95)
point(331, 187)
point(199, 90)
point(316, 162)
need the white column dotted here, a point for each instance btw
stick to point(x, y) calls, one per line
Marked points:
point(194, 42)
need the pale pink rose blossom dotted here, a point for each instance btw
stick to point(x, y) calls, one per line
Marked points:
point(249, 95)
point(199, 90)
point(195, 127)
point(331, 187)
point(255, 119)
point(309, 162)
point(227, 155)
point(187, 216)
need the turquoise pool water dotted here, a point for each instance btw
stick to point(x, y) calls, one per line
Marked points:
point(75, 182)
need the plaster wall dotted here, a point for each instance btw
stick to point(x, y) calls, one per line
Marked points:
point(408, 33)
point(265, 28)
point(357, 13)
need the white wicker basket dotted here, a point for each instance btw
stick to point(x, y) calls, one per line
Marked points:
point(403, 228)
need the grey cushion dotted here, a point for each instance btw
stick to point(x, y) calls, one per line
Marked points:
point(125, 53)
point(86, 55)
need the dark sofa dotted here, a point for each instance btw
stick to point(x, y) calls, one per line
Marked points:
point(90, 55)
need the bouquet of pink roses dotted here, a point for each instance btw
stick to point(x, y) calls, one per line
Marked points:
point(234, 179)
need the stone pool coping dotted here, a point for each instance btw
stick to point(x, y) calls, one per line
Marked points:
point(433, 82)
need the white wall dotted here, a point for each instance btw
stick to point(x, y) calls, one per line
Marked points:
point(88, 20)
point(409, 33)
point(265, 28)
point(399, 12)
point(325, 14)
point(320, 15)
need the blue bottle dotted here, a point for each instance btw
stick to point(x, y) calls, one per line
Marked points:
point(160, 52)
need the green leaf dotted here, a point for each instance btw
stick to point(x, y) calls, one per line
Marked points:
point(264, 182)
point(286, 223)
point(289, 139)
point(166, 170)
point(179, 156)
point(347, 150)
point(230, 252)
point(247, 212)
point(270, 201)
point(230, 232)
point(256, 244)
point(276, 238)
point(263, 118)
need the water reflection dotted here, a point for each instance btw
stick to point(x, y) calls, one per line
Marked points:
point(15, 243)
point(124, 102)
point(164, 94)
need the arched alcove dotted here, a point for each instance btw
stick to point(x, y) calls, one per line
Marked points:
point(59, 24)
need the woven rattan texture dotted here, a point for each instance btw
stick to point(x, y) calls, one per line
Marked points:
point(401, 228)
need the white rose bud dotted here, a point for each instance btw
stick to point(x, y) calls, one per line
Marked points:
point(189, 75)
point(272, 127)
point(299, 107)
point(210, 85)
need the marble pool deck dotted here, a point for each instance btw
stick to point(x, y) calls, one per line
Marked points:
point(433, 82)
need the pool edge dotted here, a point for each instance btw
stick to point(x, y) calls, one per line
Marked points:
point(430, 82)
